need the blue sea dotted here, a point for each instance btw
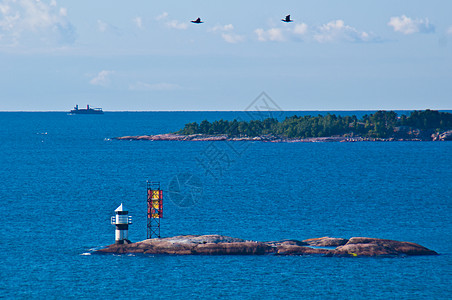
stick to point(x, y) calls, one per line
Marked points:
point(62, 176)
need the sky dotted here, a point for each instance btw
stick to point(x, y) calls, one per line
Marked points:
point(148, 56)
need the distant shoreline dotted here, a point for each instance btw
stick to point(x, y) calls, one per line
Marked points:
point(446, 136)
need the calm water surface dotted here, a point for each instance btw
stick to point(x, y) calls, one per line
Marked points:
point(62, 177)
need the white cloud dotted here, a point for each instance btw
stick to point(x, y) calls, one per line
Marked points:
point(228, 27)
point(232, 38)
point(162, 86)
point(174, 24)
point(102, 26)
point(449, 30)
point(407, 25)
point(4, 9)
point(162, 16)
point(227, 33)
point(102, 78)
point(139, 22)
point(272, 34)
point(300, 29)
point(275, 34)
point(107, 28)
point(336, 30)
point(35, 22)
point(63, 12)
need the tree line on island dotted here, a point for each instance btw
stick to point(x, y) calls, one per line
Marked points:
point(381, 124)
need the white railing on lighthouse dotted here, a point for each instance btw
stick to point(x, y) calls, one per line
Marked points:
point(121, 219)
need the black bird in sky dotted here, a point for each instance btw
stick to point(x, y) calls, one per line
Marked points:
point(287, 19)
point(197, 21)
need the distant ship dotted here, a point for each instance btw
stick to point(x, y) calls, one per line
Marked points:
point(87, 111)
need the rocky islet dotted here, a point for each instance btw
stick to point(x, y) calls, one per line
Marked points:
point(224, 245)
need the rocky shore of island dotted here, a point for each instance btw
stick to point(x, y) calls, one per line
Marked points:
point(224, 245)
point(445, 136)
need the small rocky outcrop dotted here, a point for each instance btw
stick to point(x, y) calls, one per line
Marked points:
point(326, 242)
point(193, 245)
point(224, 245)
point(444, 136)
point(302, 250)
point(363, 246)
point(286, 243)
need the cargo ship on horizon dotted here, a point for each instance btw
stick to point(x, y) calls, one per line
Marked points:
point(86, 111)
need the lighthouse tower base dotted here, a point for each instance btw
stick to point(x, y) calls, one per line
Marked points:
point(123, 242)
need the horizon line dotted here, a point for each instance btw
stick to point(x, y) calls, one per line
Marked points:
point(286, 110)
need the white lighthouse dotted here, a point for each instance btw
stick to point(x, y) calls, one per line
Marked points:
point(122, 220)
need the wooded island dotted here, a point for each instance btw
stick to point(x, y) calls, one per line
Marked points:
point(382, 124)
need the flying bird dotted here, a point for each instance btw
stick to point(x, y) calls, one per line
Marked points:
point(287, 19)
point(197, 21)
